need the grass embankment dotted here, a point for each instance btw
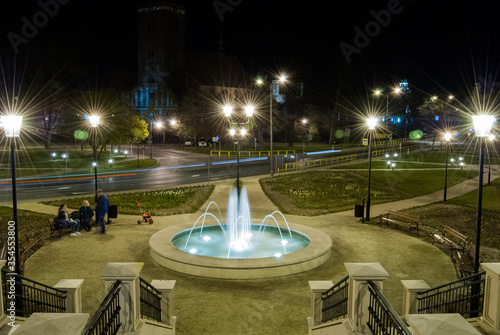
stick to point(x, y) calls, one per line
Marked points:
point(321, 192)
point(180, 200)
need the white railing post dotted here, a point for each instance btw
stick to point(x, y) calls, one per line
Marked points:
point(166, 287)
point(410, 302)
point(359, 297)
point(490, 322)
point(73, 287)
point(129, 296)
point(317, 287)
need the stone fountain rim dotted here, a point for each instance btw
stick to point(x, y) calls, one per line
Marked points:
point(166, 254)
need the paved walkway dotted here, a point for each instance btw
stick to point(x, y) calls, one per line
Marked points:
point(267, 306)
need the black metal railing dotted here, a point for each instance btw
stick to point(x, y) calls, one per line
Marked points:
point(31, 296)
point(106, 320)
point(334, 301)
point(454, 297)
point(382, 318)
point(150, 301)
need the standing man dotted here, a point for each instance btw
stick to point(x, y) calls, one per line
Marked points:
point(101, 209)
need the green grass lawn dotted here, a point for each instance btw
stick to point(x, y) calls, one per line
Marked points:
point(491, 197)
point(180, 200)
point(320, 192)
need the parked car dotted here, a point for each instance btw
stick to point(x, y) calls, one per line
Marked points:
point(188, 143)
point(202, 142)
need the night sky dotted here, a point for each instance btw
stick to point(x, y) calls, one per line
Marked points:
point(437, 46)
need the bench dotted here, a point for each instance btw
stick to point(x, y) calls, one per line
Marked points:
point(400, 218)
point(53, 230)
point(28, 242)
point(459, 243)
point(464, 261)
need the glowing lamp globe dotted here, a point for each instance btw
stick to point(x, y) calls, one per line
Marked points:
point(94, 120)
point(482, 124)
point(447, 137)
point(249, 110)
point(11, 125)
point(228, 110)
point(243, 132)
point(371, 122)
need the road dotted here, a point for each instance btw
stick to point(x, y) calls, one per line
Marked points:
point(175, 168)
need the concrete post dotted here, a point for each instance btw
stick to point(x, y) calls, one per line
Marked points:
point(317, 287)
point(166, 287)
point(129, 296)
point(359, 297)
point(490, 322)
point(74, 295)
point(410, 302)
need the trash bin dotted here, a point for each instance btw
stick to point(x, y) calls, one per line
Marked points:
point(358, 211)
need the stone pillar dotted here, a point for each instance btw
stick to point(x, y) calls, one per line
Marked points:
point(166, 287)
point(490, 322)
point(74, 295)
point(410, 302)
point(317, 287)
point(3, 317)
point(359, 297)
point(129, 296)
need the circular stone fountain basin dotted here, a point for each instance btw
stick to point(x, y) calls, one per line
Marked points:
point(265, 241)
point(315, 251)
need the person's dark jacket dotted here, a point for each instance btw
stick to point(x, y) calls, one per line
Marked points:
point(101, 206)
point(63, 215)
point(86, 213)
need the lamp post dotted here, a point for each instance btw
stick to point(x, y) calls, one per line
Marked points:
point(65, 156)
point(94, 123)
point(372, 123)
point(379, 93)
point(482, 127)
point(12, 128)
point(447, 138)
point(282, 79)
point(233, 120)
point(304, 122)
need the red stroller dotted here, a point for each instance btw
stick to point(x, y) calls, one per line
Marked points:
point(146, 215)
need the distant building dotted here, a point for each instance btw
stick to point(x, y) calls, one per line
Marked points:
point(161, 51)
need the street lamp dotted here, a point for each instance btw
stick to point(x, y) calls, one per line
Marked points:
point(371, 123)
point(242, 134)
point(447, 138)
point(238, 121)
point(482, 127)
point(94, 123)
point(65, 156)
point(379, 93)
point(12, 128)
point(282, 79)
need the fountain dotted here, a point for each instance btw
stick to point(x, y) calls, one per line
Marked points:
point(238, 247)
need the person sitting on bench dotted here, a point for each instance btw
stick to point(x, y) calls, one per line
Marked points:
point(63, 215)
point(86, 214)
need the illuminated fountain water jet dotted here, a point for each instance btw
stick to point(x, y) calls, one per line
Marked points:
point(245, 239)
